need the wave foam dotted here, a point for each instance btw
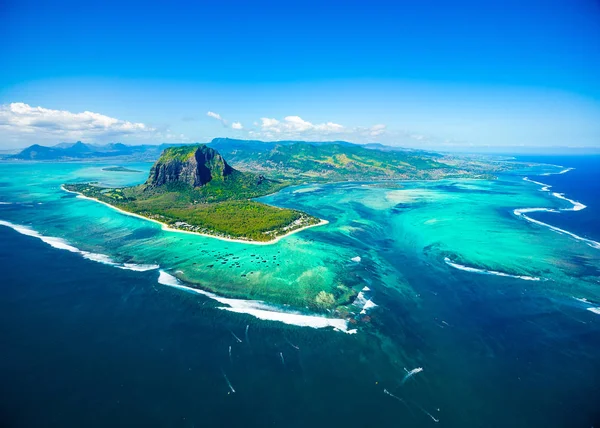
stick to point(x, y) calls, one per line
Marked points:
point(577, 206)
point(138, 268)
point(364, 301)
point(61, 244)
point(259, 309)
point(488, 272)
point(593, 309)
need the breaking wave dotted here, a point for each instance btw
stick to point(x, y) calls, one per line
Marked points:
point(488, 272)
point(593, 309)
point(61, 244)
point(577, 206)
point(259, 309)
point(363, 300)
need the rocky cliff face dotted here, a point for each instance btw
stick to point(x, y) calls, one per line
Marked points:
point(193, 165)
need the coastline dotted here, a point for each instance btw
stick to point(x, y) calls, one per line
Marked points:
point(167, 228)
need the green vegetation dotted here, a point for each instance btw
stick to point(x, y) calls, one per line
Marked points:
point(301, 161)
point(181, 153)
point(324, 300)
point(220, 206)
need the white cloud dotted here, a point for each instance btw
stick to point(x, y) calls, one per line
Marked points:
point(294, 127)
point(214, 115)
point(218, 117)
point(377, 130)
point(19, 121)
point(237, 125)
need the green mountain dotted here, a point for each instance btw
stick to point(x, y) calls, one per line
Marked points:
point(194, 165)
point(193, 188)
point(335, 161)
point(198, 173)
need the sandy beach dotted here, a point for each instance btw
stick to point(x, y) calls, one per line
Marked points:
point(166, 227)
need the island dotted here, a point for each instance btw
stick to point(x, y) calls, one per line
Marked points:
point(119, 169)
point(193, 189)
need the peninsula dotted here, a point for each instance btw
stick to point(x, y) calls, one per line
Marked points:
point(193, 189)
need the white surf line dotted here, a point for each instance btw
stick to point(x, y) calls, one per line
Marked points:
point(62, 244)
point(564, 171)
point(577, 206)
point(261, 309)
point(167, 228)
point(487, 272)
point(593, 309)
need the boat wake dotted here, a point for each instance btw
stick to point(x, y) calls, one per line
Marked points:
point(488, 272)
point(577, 206)
point(61, 244)
point(259, 309)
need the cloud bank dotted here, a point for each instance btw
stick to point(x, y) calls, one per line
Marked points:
point(22, 122)
point(294, 127)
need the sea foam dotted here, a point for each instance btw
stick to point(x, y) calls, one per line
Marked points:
point(260, 309)
point(488, 272)
point(363, 300)
point(577, 206)
point(61, 244)
point(595, 310)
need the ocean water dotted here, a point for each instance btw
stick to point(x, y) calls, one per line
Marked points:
point(97, 327)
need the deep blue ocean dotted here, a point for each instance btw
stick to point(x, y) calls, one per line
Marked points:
point(85, 344)
point(581, 184)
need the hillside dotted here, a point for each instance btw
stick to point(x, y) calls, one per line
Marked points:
point(193, 188)
point(335, 161)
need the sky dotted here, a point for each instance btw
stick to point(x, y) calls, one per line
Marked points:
point(448, 75)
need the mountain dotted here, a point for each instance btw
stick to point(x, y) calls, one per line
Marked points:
point(334, 161)
point(82, 151)
point(200, 173)
point(193, 165)
point(293, 161)
point(37, 152)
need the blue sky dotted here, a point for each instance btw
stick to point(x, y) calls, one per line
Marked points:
point(431, 74)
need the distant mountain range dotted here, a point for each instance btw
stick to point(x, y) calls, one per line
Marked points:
point(147, 152)
point(83, 151)
point(294, 161)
